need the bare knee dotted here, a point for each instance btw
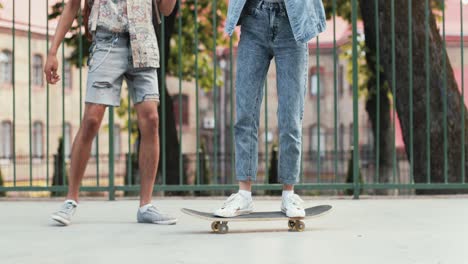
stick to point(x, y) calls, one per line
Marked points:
point(149, 123)
point(90, 127)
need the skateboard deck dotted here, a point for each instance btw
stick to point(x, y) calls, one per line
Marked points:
point(219, 224)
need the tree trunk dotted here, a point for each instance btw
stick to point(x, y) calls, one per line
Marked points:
point(437, 91)
point(385, 136)
point(171, 140)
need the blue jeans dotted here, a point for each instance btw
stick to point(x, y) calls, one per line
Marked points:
point(267, 34)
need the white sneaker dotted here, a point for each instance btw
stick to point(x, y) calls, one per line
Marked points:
point(234, 206)
point(153, 216)
point(292, 206)
point(65, 213)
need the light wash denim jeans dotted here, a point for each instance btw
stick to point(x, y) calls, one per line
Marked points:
point(267, 34)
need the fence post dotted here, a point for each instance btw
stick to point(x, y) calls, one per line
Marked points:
point(356, 187)
point(111, 155)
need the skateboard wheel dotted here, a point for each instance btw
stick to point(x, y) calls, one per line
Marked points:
point(300, 226)
point(223, 228)
point(215, 226)
point(291, 224)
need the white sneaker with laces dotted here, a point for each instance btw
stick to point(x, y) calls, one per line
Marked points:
point(234, 206)
point(64, 215)
point(292, 206)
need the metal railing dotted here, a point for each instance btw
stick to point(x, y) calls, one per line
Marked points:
point(330, 162)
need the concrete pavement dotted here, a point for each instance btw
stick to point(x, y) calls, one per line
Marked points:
point(428, 230)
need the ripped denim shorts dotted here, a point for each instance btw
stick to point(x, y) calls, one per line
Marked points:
point(110, 61)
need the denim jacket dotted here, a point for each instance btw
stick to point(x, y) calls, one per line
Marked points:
point(307, 17)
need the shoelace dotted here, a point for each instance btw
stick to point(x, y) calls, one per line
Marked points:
point(295, 200)
point(67, 208)
point(155, 210)
point(230, 199)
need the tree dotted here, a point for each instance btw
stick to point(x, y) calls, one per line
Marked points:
point(377, 103)
point(455, 105)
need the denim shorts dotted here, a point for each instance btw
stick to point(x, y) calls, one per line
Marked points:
point(110, 61)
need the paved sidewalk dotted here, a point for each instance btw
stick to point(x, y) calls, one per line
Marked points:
point(397, 231)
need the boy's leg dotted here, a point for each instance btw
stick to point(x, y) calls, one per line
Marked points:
point(81, 148)
point(292, 72)
point(148, 122)
point(80, 153)
point(105, 77)
point(143, 88)
point(107, 63)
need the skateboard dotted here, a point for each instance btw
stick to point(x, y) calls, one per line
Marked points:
point(219, 225)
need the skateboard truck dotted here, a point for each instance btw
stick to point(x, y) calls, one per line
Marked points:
point(221, 227)
point(296, 225)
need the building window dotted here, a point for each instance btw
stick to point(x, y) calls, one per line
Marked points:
point(37, 76)
point(67, 140)
point(67, 76)
point(185, 109)
point(37, 140)
point(6, 67)
point(318, 136)
point(6, 147)
point(117, 150)
point(316, 82)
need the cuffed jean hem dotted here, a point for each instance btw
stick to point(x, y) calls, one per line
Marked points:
point(289, 181)
point(253, 179)
point(246, 178)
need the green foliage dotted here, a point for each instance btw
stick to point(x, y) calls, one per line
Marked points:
point(203, 30)
point(343, 9)
point(364, 73)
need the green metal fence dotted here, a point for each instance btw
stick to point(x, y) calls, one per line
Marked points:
point(329, 165)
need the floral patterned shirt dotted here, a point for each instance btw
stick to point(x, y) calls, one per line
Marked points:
point(113, 15)
point(134, 16)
